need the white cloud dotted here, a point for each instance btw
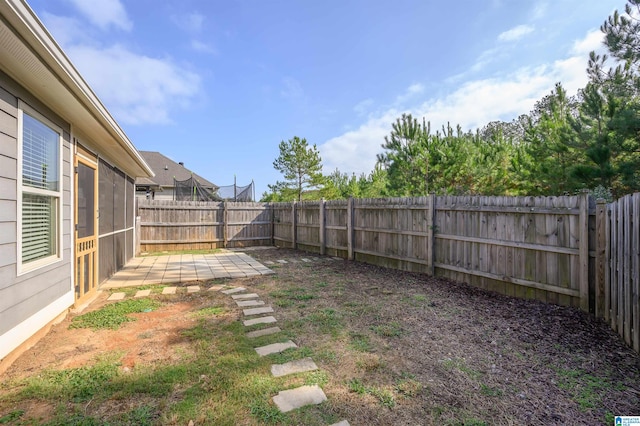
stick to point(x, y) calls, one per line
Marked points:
point(472, 104)
point(592, 41)
point(64, 30)
point(292, 89)
point(363, 107)
point(191, 22)
point(137, 89)
point(201, 47)
point(515, 33)
point(104, 13)
point(355, 151)
point(540, 10)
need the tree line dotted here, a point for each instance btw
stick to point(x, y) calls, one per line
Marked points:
point(565, 144)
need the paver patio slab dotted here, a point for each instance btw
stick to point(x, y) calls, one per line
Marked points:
point(275, 348)
point(297, 366)
point(234, 290)
point(169, 290)
point(299, 397)
point(245, 303)
point(116, 296)
point(261, 320)
point(183, 268)
point(263, 332)
point(142, 293)
point(258, 311)
point(245, 296)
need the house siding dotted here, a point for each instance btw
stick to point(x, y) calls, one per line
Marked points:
point(31, 300)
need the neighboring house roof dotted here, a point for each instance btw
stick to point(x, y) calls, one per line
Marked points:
point(30, 56)
point(166, 170)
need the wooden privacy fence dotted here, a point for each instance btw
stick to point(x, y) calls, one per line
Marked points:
point(566, 250)
point(181, 225)
point(617, 295)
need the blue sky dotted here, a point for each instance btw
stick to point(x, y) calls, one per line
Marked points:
point(218, 84)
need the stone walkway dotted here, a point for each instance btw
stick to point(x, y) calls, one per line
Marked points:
point(286, 400)
point(176, 268)
point(289, 399)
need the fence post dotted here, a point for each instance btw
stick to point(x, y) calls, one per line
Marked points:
point(431, 214)
point(138, 235)
point(584, 250)
point(350, 253)
point(273, 224)
point(294, 227)
point(321, 232)
point(601, 245)
point(224, 224)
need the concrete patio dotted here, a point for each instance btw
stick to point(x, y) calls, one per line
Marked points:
point(177, 268)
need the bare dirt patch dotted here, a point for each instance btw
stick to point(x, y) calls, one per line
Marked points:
point(480, 357)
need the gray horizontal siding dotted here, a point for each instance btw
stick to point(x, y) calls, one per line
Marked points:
point(22, 296)
point(24, 308)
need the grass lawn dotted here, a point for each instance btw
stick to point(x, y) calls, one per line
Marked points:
point(391, 347)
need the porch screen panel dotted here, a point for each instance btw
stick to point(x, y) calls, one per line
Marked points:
point(130, 214)
point(119, 200)
point(105, 176)
point(86, 207)
point(107, 262)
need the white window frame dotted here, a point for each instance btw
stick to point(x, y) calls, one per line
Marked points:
point(23, 268)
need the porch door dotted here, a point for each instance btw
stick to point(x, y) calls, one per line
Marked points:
point(86, 225)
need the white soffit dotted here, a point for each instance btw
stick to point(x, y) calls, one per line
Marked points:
point(30, 56)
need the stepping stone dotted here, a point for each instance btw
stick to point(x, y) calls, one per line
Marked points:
point(263, 332)
point(142, 293)
point(169, 290)
point(341, 423)
point(275, 348)
point(282, 261)
point(315, 258)
point(117, 296)
point(299, 397)
point(245, 303)
point(244, 296)
point(297, 366)
point(193, 289)
point(269, 262)
point(234, 290)
point(304, 259)
point(258, 311)
point(216, 287)
point(261, 320)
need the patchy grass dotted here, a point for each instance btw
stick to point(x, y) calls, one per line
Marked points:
point(209, 311)
point(586, 389)
point(391, 347)
point(112, 316)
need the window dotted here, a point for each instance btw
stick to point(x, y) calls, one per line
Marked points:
point(40, 190)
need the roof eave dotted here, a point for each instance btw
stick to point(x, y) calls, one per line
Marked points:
point(66, 81)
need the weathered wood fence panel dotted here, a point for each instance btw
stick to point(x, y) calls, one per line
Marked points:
point(530, 247)
point(282, 215)
point(618, 292)
point(392, 232)
point(180, 225)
